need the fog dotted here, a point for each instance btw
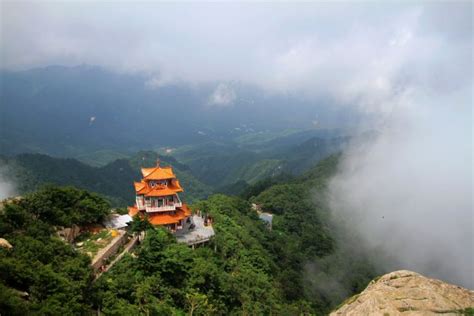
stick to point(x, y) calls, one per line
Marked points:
point(358, 54)
point(407, 191)
point(7, 187)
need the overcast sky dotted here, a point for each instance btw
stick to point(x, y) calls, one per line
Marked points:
point(364, 52)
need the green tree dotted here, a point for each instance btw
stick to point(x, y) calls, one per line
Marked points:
point(198, 304)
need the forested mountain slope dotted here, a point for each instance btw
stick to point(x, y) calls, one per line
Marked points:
point(41, 274)
point(246, 269)
point(254, 270)
point(221, 164)
point(115, 180)
point(202, 169)
point(313, 253)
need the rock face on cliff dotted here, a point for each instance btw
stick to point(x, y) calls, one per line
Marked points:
point(408, 293)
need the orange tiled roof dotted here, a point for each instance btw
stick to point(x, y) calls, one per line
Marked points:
point(139, 185)
point(132, 210)
point(177, 186)
point(161, 191)
point(166, 218)
point(145, 189)
point(158, 173)
point(185, 209)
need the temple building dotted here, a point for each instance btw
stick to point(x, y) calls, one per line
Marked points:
point(157, 197)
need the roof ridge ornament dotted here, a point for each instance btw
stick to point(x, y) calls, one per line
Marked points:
point(158, 162)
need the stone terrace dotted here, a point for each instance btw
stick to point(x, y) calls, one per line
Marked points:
point(199, 234)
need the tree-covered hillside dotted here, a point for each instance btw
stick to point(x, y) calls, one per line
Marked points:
point(252, 270)
point(319, 261)
point(41, 274)
point(234, 275)
point(223, 167)
point(115, 180)
point(246, 269)
point(222, 164)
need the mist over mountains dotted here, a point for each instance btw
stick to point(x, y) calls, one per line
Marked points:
point(68, 110)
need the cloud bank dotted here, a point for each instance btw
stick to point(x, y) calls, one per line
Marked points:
point(407, 191)
point(355, 54)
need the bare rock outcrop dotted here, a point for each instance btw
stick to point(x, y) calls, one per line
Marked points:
point(5, 244)
point(69, 233)
point(408, 293)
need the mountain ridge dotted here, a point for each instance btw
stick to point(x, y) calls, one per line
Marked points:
point(67, 111)
point(114, 180)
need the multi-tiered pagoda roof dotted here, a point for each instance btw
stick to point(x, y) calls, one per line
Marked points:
point(157, 197)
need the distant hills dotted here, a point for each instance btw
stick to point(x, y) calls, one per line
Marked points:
point(227, 167)
point(115, 180)
point(223, 164)
point(75, 111)
point(84, 126)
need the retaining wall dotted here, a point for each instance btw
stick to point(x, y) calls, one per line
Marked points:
point(109, 250)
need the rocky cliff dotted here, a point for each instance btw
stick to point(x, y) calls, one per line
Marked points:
point(408, 293)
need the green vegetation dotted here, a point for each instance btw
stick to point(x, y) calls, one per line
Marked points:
point(114, 180)
point(92, 243)
point(246, 269)
point(61, 206)
point(262, 185)
point(261, 138)
point(41, 274)
point(171, 278)
point(212, 167)
point(258, 156)
point(313, 255)
point(261, 169)
point(253, 270)
point(101, 158)
point(219, 164)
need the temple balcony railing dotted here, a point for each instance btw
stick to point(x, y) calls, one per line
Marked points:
point(163, 208)
point(140, 205)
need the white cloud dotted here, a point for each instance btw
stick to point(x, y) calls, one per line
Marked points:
point(158, 82)
point(367, 56)
point(408, 190)
point(223, 96)
point(7, 187)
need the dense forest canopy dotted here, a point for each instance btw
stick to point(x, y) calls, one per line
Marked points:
point(42, 274)
point(114, 180)
point(246, 269)
point(214, 167)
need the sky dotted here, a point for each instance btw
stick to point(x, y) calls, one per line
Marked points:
point(407, 190)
